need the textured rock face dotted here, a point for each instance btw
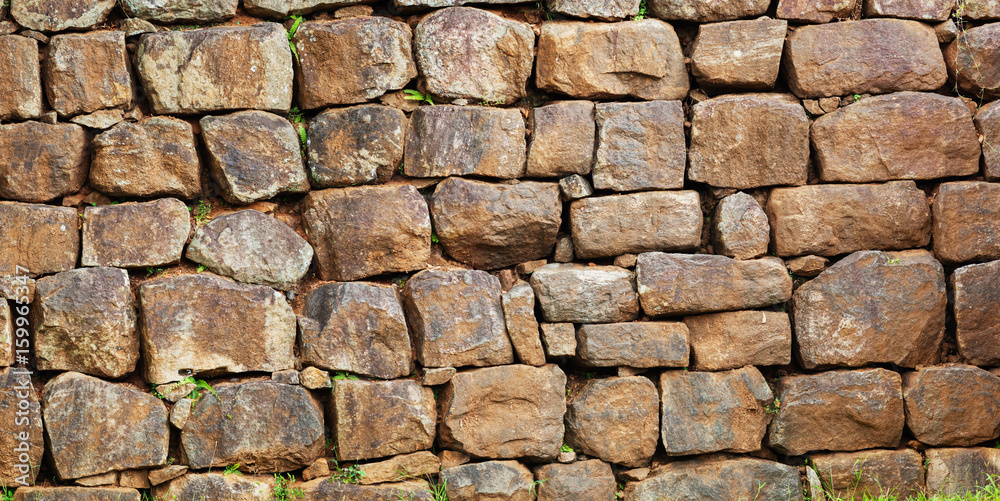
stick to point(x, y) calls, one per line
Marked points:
point(988, 122)
point(677, 284)
point(287, 424)
point(119, 235)
point(585, 294)
point(872, 473)
point(87, 72)
point(443, 339)
point(983, 9)
point(837, 219)
point(640, 146)
point(972, 60)
point(838, 411)
point(977, 299)
point(615, 419)
point(873, 56)
point(280, 9)
point(193, 324)
point(154, 157)
point(413, 465)
point(21, 81)
point(356, 327)
point(815, 11)
point(746, 141)
point(586, 60)
point(605, 10)
point(323, 488)
point(703, 12)
point(467, 53)
point(952, 405)
point(562, 139)
point(633, 344)
point(489, 480)
point(80, 410)
point(363, 231)
point(738, 55)
point(40, 162)
point(252, 247)
point(929, 10)
point(966, 222)
point(351, 60)
point(720, 477)
point(15, 387)
point(216, 69)
point(382, 418)
point(40, 238)
point(217, 486)
point(637, 222)
point(559, 339)
point(590, 480)
point(355, 145)
point(76, 494)
point(58, 15)
point(907, 135)
point(734, 339)
point(465, 140)
point(522, 327)
point(959, 471)
point(181, 11)
point(491, 226)
point(7, 326)
point(514, 411)
point(739, 227)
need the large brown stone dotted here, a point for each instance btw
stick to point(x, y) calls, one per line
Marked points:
point(153, 157)
point(522, 326)
point(351, 60)
point(703, 12)
point(640, 59)
point(738, 55)
point(987, 120)
point(217, 486)
point(635, 223)
point(213, 69)
point(976, 289)
point(605, 10)
point(872, 307)
point(585, 294)
point(514, 411)
point(640, 146)
point(355, 145)
point(827, 220)
point(21, 79)
point(870, 474)
point(745, 141)
point(21, 432)
point(177, 11)
point(906, 135)
point(467, 53)
point(734, 339)
point(507, 480)
point(280, 9)
point(739, 227)
point(40, 162)
point(973, 60)
point(685, 284)
point(76, 494)
point(87, 72)
point(967, 222)
point(982, 9)
point(374, 419)
point(815, 11)
point(363, 231)
point(719, 478)
point(615, 419)
point(838, 411)
point(924, 10)
point(58, 15)
point(324, 488)
point(961, 471)
point(119, 235)
point(633, 344)
point(465, 140)
point(402, 467)
point(590, 480)
point(562, 139)
point(38, 239)
point(206, 324)
point(955, 405)
point(873, 56)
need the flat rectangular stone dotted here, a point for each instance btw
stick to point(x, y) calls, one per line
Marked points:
point(119, 235)
point(562, 139)
point(700, 11)
point(465, 140)
point(585, 294)
point(559, 339)
point(21, 80)
point(86, 72)
point(374, 419)
point(635, 223)
point(640, 146)
point(633, 344)
point(976, 290)
point(37, 239)
point(738, 55)
point(872, 473)
point(924, 10)
point(815, 11)
point(967, 222)
point(734, 339)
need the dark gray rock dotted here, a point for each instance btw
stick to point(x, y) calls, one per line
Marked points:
point(489, 479)
point(217, 486)
point(704, 12)
point(58, 15)
point(605, 10)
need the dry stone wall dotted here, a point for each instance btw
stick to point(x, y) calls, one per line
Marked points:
point(479, 250)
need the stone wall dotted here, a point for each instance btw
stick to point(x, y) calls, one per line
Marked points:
point(572, 249)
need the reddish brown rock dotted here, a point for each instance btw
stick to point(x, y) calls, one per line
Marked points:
point(738, 55)
point(217, 486)
point(973, 59)
point(961, 471)
point(559, 339)
point(465, 140)
point(402, 467)
point(615, 419)
point(76, 494)
point(508, 480)
point(373, 419)
point(58, 15)
point(605, 10)
point(873, 473)
point(21, 432)
point(954, 405)
point(739, 227)
point(153, 157)
point(355, 145)
point(633, 344)
point(21, 79)
point(280, 9)
point(734, 339)
point(987, 120)
point(924, 10)
point(323, 488)
point(6, 324)
point(585, 294)
point(179, 11)
point(640, 146)
point(40, 162)
point(719, 477)
point(635, 223)
point(982, 9)
point(976, 289)
point(704, 12)
point(967, 222)
point(815, 11)
point(590, 480)
point(562, 139)
point(38, 239)
point(87, 72)
point(119, 235)
point(522, 327)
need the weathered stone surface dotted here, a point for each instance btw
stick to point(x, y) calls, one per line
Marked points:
point(108, 478)
point(286, 376)
point(522, 327)
point(815, 11)
point(590, 480)
point(961, 471)
point(355, 145)
point(58, 15)
point(745, 141)
point(838, 411)
point(214, 69)
point(119, 235)
point(40, 162)
point(605, 10)
point(730, 340)
point(436, 376)
point(807, 266)
point(574, 187)
point(429, 4)
point(100, 119)
point(401, 467)
point(83, 411)
point(465, 140)
point(167, 473)
point(719, 477)
point(491, 226)
point(319, 468)
point(952, 405)
point(315, 379)
point(217, 486)
point(513, 411)
point(633, 344)
point(174, 392)
point(467, 53)
point(982, 9)
point(286, 423)
point(640, 59)
point(637, 222)
point(988, 122)
point(615, 419)
point(323, 488)
point(562, 139)
point(137, 479)
point(976, 300)
point(739, 227)
point(906, 135)
point(640, 146)
point(76, 494)
point(87, 72)
point(489, 480)
point(837, 219)
point(852, 475)
point(738, 55)
point(972, 60)
point(967, 222)
point(7, 326)
point(374, 419)
point(181, 412)
point(559, 339)
point(280, 9)
point(702, 12)
point(22, 441)
point(684, 284)
point(363, 231)
point(154, 157)
point(443, 339)
point(874, 56)
point(356, 327)
point(925, 10)
point(251, 247)
point(38, 239)
point(585, 294)
point(21, 79)
point(206, 324)
point(178, 11)
point(872, 307)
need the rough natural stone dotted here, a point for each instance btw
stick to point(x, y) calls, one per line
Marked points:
point(286, 376)
point(635, 223)
point(355, 145)
point(137, 479)
point(734, 339)
point(154, 157)
point(206, 324)
point(971, 59)
point(508, 480)
point(522, 327)
point(988, 122)
point(605, 10)
point(213, 69)
point(467, 53)
point(7, 327)
point(450, 459)
point(585, 294)
point(563, 252)
point(436, 376)
point(874, 56)
point(952, 405)
point(181, 11)
point(703, 12)
point(100, 119)
point(21, 432)
point(374, 419)
point(76, 494)
point(739, 227)
point(641, 59)
point(838, 411)
point(81, 411)
point(640, 146)
point(40, 162)
point(87, 72)
point(58, 15)
point(924, 10)
point(982, 10)
point(315, 379)
point(161, 475)
point(280, 9)
point(513, 411)
point(97, 480)
point(319, 468)
point(363, 231)
point(21, 79)
point(465, 140)
point(615, 419)
point(433, 4)
point(815, 11)
point(323, 488)
point(853, 475)
point(217, 486)
point(119, 235)
point(967, 222)
point(135, 26)
point(562, 139)
point(181, 412)
point(38, 239)
point(401, 467)
point(590, 480)
point(961, 471)
point(738, 55)
point(719, 477)
point(976, 290)
point(559, 339)
point(807, 266)
point(574, 187)
point(749, 140)
point(828, 220)
point(633, 344)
